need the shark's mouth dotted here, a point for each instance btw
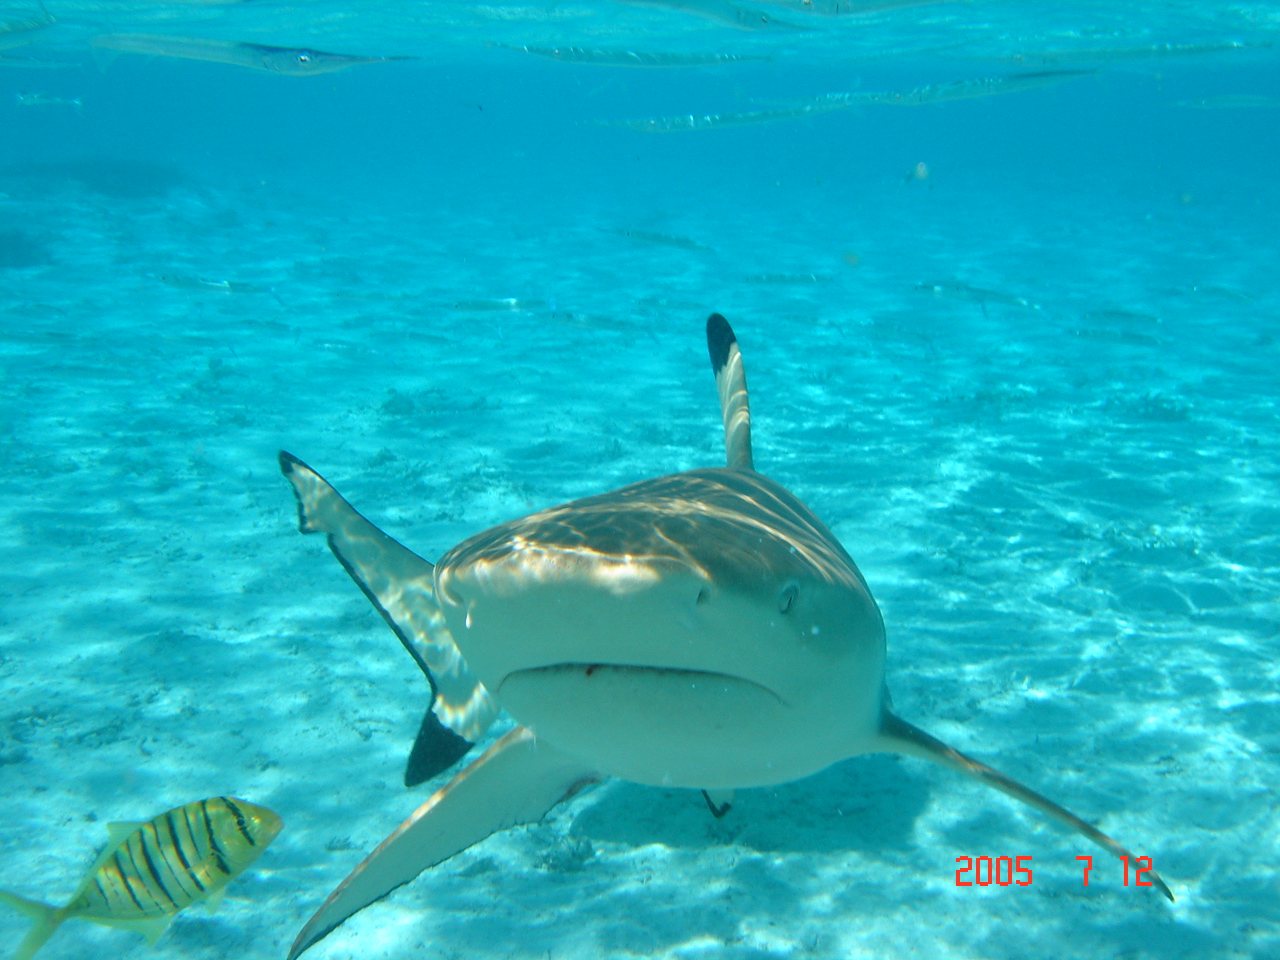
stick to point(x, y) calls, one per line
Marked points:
point(616, 675)
point(654, 724)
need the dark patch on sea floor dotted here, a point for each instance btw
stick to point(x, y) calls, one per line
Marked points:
point(117, 178)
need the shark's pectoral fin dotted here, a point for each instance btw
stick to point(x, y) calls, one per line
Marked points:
point(399, 584)
point(517, 780)
point(436, 748)
point(901, 737)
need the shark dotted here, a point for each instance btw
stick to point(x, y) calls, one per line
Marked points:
point(701, 630)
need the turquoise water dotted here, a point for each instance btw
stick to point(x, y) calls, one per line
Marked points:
point(1031, 386)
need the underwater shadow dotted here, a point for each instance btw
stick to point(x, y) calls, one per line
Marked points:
point(120, 179)
point(683, 880)
point(19, 249)
point(866, 804)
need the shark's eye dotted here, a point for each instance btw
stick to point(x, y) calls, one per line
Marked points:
point(787, 597)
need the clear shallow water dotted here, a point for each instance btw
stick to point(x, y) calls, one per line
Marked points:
point(1061, 490)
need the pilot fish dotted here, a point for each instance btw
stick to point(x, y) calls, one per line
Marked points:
point(149, 871)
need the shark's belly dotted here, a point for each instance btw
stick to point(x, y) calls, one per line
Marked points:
point(664, 727)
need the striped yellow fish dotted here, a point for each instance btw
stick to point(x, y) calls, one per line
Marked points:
point(149, 871)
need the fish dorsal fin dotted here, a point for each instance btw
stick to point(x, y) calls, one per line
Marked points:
point(119, 831)
point(731, 383)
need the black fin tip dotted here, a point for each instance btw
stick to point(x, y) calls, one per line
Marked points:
point(719, 339)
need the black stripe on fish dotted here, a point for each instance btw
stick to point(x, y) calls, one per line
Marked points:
point(219, 858)
point(166, 846)
point(132, 846)
point(198, 856)
point(152, 868)
point(177, 846)
point(189, 853)
point(124, 877)
point(240, 821)
point(104, 893)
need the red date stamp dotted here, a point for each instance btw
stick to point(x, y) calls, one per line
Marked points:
point(1000, 871)
point(1006, 871)
point(1141, 865)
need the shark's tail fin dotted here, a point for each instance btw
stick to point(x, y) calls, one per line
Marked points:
point(902, 737)
point(46, 919)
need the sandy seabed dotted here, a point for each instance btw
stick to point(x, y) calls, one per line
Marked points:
point(1067, 509)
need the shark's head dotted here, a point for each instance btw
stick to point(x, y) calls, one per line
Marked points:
point(698, 630)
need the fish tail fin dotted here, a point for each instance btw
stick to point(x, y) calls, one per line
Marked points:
point(47, 920)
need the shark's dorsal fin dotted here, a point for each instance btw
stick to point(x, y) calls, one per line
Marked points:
point(731, 383)
point(400, 585)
